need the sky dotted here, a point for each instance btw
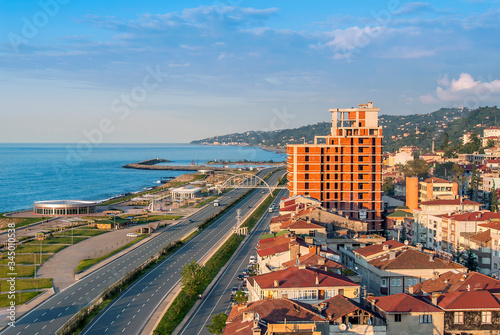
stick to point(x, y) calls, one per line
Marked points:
point(154, 71)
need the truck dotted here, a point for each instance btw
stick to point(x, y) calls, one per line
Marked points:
point(216, 203)
point(271, 209)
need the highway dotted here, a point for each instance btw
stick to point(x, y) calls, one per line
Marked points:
point(218, 300)
point(51, 315)
point(130, 312)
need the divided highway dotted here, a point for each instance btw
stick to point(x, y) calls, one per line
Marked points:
point(50, 316)
point(218, 300)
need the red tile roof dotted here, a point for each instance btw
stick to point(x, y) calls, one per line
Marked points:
point(312, 260)
point(453, 281)
point(281, 218)
point(378, 248)
point(483, 237)
point(270, 311)
point(473, 216)
point(492, 225)
point(296, 277)
point(468, 300)
point(437, 180)
point(450, 202)
point(403, 303)
point(412, 259)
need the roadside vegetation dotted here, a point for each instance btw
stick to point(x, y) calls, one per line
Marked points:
point(87, 263)
point(196, 278)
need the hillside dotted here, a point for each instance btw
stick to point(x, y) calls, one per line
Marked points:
point(399, 130)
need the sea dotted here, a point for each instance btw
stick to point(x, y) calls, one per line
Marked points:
point(36, 172)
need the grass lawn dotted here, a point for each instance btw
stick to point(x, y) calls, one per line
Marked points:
point(204, 202)
point(153, 218)
point(83, 232)
point(35, 248)
point(27, 284)
point(87, 263)
point(25, 259)
point(61, 240)
point(22, 271)
point(20, 298)
point(22, 221)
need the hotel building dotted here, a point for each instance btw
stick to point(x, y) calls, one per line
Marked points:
point(344, 169)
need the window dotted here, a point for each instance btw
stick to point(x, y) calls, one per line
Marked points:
point(384, 282)
point(393, 282)
point(397, 317)
point(399, 282)
point(415, 281)
point(485, 317)
point(458, 317)
point(425, 318)
point(306, 167)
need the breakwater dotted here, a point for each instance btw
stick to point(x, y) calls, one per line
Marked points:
point(152, 164)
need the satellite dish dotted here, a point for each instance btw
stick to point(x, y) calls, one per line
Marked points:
point(343, 327)
point(406, 242)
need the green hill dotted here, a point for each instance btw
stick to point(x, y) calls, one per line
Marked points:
point(399, 130)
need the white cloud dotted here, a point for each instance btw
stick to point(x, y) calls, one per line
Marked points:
point(463, 91)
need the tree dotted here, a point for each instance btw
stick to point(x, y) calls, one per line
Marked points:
point(443, 170)
point(388, 186)
point(416, 168)
point(218, 323)
point(240, 297)
point(493, 199)
point(458, 176)
point(192, 275)
point(446, 139)
point(470, 261)
point(473, 184)
point(490, 143)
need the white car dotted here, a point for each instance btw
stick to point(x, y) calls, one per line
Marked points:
point(253, 260)
point(131, 235)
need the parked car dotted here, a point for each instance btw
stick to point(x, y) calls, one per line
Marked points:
point(233, 291)
point(253, 260)
point(241, 276)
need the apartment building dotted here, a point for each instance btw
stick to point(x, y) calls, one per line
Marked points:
point(437, 188)
point(343, 170)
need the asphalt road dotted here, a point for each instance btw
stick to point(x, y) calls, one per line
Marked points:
point(218, 300)
point(51, 315)
point(130, 312)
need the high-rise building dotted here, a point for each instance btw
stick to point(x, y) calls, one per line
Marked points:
point(344, 169)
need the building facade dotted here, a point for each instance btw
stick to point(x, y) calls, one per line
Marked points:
point(344, 169)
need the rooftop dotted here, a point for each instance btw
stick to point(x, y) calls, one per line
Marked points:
point(453, 281)
point(468, 300)
point(440, 202)
point(412, 259)
point(378, 248)
point(435, 180)
point(403, 303)
point(313, 260)
point(296, 277)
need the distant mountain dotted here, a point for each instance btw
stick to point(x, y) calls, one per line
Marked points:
point(399, 130)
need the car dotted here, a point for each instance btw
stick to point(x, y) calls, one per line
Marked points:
point(190, 221)
point(234, 290)
point(253, 260)
point(244, 284)
point(131, 235)
point(241, 276)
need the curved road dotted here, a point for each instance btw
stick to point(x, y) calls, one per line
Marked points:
point(51, 315)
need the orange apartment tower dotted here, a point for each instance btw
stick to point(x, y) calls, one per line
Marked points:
point(344, 169)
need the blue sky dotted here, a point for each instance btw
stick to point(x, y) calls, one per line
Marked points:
point(172, 71)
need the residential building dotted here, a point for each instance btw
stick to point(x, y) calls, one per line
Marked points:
point(436, 188)
point(492, 131)
point(494, 227)
point(343, 170)
point(424, 230)
point(469, 312)
point(301, 283)
point(456, 281)
point(394, 223)
point(287, 316)
point(480, 245)
point(391, 267)
point(405, 314)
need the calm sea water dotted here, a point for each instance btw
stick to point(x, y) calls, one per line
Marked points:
point(34, 172)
